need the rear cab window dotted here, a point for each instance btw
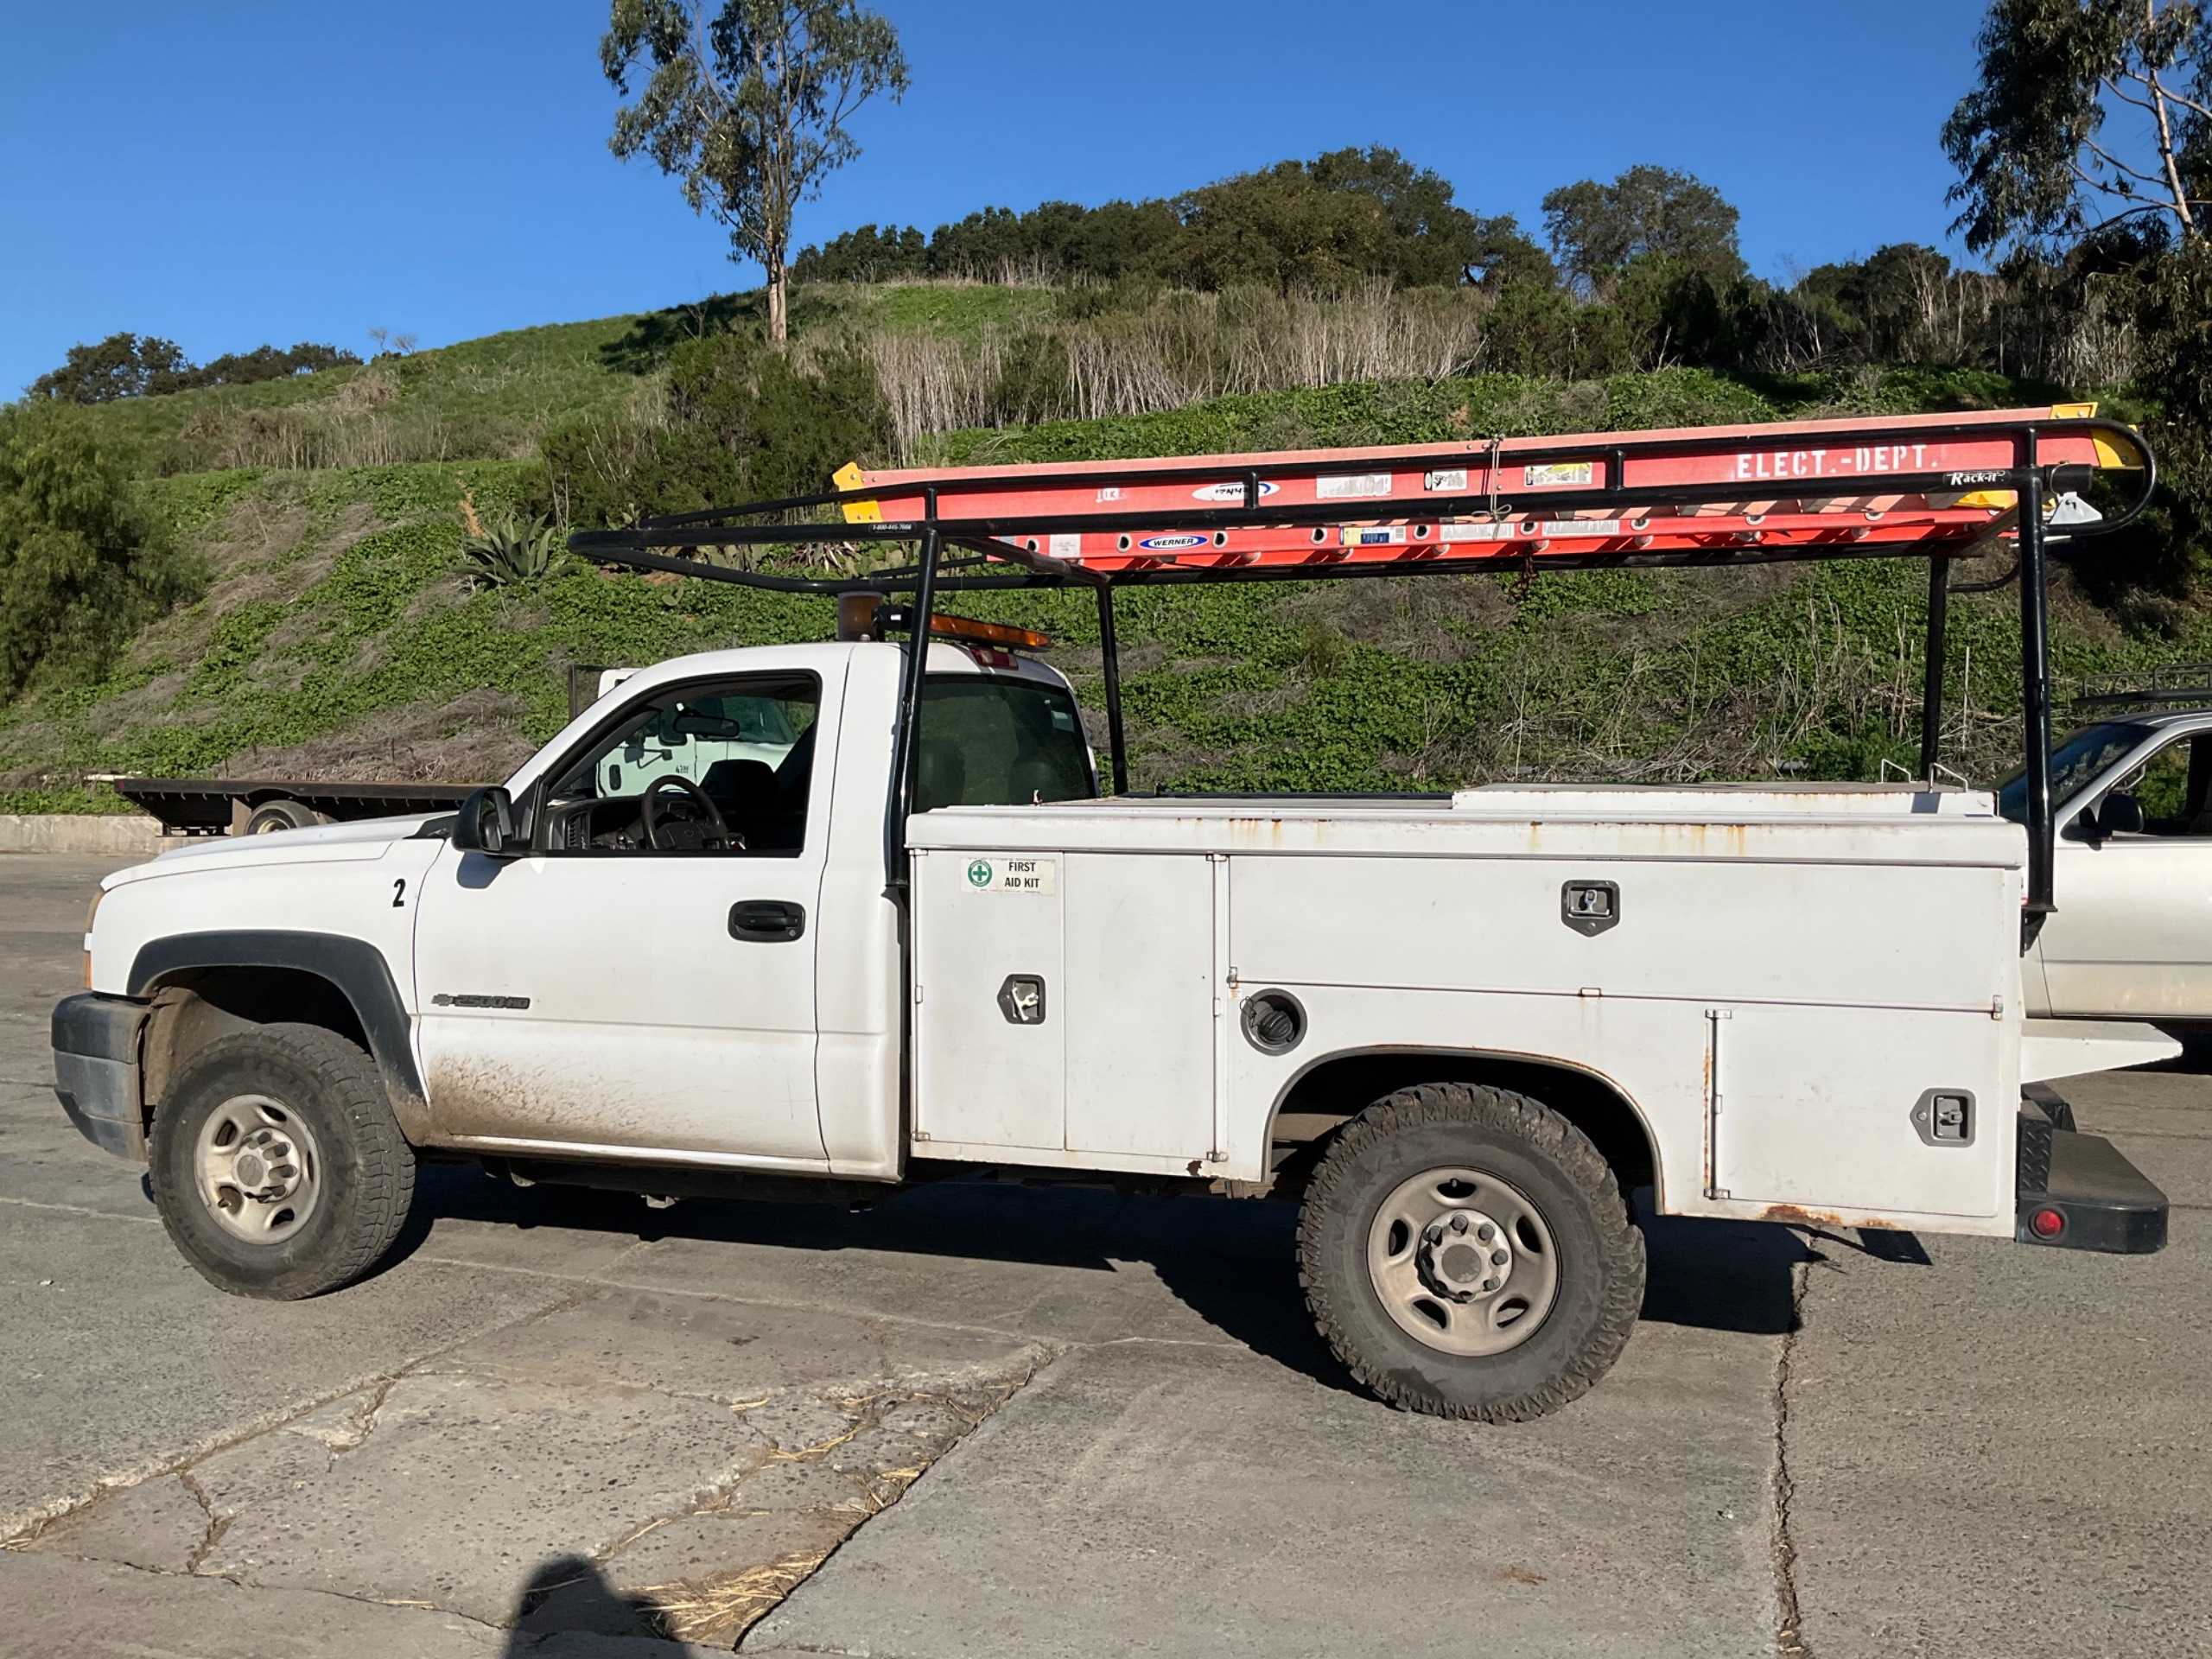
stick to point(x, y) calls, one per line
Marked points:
point(989, 741)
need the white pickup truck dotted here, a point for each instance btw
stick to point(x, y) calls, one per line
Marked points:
point(1461, 1032)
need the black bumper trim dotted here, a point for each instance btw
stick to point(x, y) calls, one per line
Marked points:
point(96, 1070)
point(2103, 1202)
point(98, 1026)
point(124, 1140)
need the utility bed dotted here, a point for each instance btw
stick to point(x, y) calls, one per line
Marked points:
point(1727, 959)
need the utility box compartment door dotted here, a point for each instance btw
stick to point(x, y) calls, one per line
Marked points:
point(1066, 1005)
point(1859, 1109)
point(1140, 1004)
point(990, 1058)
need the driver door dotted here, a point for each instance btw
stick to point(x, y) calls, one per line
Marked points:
point(621, 990)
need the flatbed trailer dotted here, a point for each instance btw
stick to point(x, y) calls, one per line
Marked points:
point(254, 806)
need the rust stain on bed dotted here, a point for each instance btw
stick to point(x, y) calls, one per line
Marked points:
point(1795, 1216)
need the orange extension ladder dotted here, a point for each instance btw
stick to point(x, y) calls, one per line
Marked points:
point(1803, 488)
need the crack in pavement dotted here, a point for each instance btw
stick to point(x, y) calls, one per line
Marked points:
point(724, 1611)
point(1788, 1614)
point(364, 1421)
point(716, 1501)
point(217, 1525)
point(20, 1529)
point(909, 1424)
point(441, 1611)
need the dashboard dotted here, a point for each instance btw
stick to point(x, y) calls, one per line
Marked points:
point(613, 825)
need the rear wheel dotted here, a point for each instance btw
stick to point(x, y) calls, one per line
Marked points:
point(276, 1164)
point(1467, 1253)
point(272, 815)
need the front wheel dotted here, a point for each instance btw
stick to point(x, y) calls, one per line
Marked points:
point(276, 1164)
point(1466, 1252)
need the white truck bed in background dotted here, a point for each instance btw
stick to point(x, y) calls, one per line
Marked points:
point(1763, 943)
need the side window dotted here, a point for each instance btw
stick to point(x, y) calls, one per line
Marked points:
point(717, 768)
point(2171, 789)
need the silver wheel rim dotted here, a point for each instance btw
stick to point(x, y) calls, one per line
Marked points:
point(259, 1170)
point(1463, 1261)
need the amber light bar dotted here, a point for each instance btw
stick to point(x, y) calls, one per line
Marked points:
point(987, 633)
point(864, 616)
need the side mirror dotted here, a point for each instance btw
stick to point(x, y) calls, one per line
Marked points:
point(2120, 814)
point(487, 824)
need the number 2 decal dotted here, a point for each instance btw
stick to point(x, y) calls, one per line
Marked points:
point(399, 893)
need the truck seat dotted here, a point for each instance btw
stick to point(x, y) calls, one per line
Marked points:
point(746, 794)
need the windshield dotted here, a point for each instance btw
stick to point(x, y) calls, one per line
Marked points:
point(994, 742)
point(2073, 764)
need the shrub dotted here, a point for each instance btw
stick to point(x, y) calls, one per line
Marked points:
point(80, 568)
point(508, 551)
point(136, 365)
point(742, 423)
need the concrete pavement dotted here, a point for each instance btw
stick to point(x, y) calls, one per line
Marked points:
point(989, 1419)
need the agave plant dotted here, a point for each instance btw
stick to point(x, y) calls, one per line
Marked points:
point(508, 551)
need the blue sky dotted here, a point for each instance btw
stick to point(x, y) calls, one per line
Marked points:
point(249, 170)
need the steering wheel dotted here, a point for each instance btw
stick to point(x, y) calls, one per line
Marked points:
point(670, 833)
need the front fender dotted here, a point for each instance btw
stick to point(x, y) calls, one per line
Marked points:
point(356, 968)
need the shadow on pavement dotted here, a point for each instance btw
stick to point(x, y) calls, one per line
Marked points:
point(568, 1594)
point(2196, 1056)
point(1230, 1261)
point(1722, 1275)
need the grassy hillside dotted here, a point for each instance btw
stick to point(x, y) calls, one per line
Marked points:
point(339, 633)
point(491, 398)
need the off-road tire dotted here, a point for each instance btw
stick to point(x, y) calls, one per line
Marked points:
point(1515, 1138)
point(367, 1174)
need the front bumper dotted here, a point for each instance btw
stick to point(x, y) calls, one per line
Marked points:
point(96, 1070)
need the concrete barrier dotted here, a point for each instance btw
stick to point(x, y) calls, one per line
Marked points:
point(116, 835)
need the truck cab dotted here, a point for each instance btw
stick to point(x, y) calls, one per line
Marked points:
point(743, 963)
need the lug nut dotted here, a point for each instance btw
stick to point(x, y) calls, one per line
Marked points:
point(1459, 1224)
point(1485, 1232)
point(1489, 1284)
point(1497, 1258)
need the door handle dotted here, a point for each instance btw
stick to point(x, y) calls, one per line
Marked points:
point(767, 921)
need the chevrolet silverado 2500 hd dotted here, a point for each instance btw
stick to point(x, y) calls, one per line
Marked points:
point(911, 936)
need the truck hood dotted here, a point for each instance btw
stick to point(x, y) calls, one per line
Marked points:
point(361, 838)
